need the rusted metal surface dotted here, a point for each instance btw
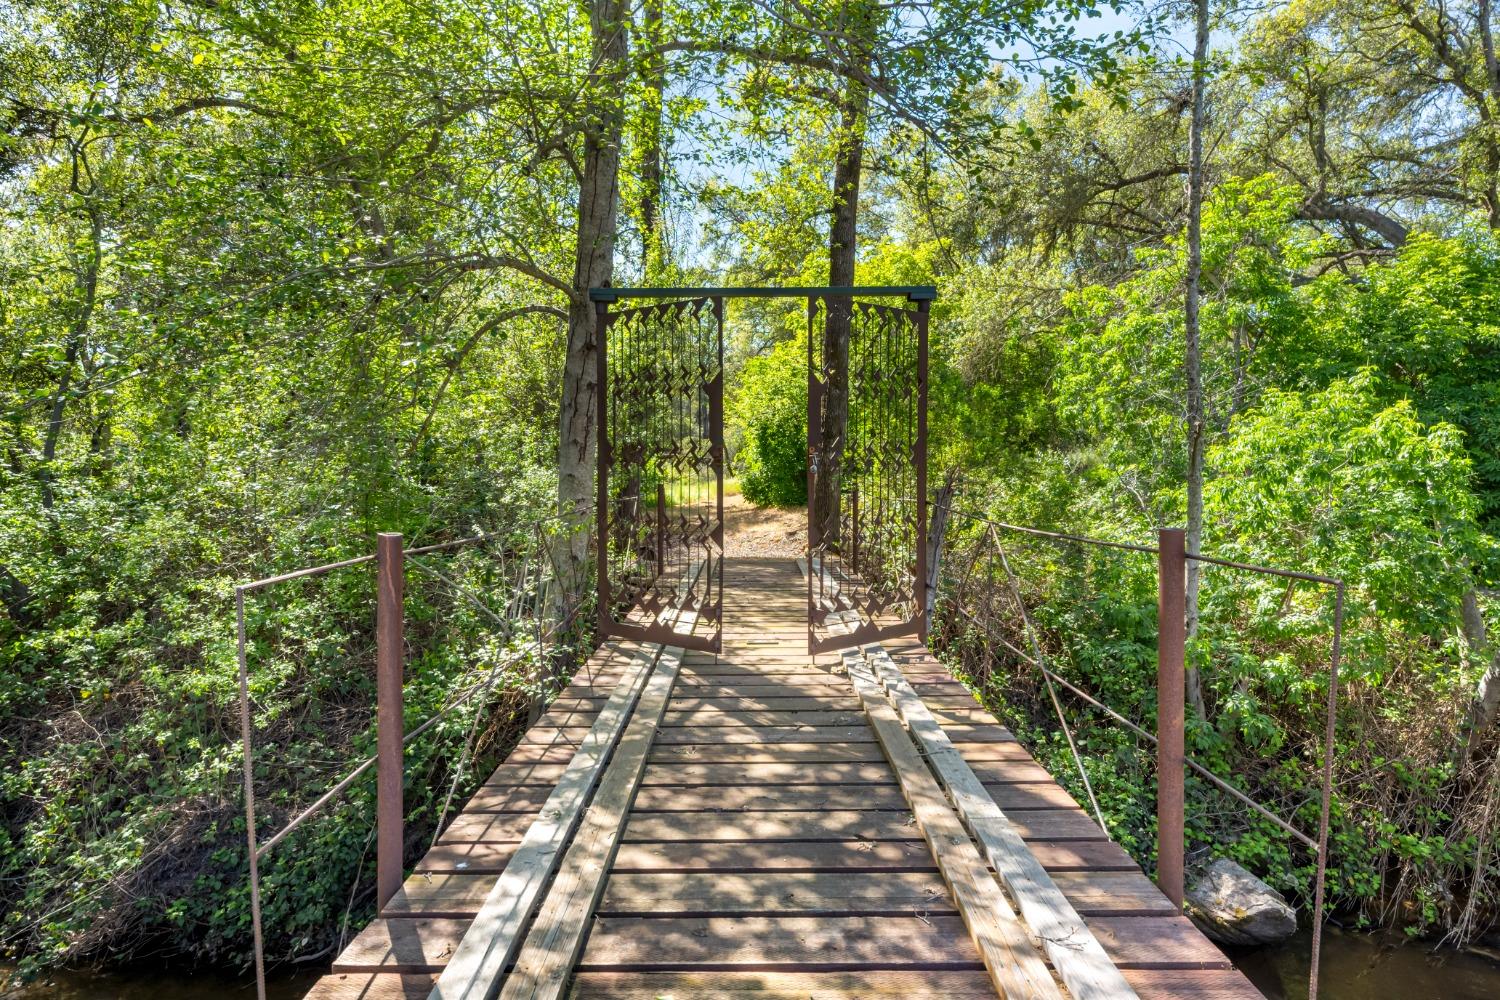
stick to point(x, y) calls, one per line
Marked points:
point(1171, 650)
point(868, 536)
point(661, 421)
point(248, 761)
point(1329, 726)
point(536, 596)
point(389, 725)
point(968, 603)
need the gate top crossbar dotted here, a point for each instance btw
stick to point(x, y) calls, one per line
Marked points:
point(915, 293)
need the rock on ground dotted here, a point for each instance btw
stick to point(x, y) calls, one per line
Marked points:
point(1232, 906)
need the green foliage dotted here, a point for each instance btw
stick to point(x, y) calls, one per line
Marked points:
point(769, 411)
point(1346, 438)
point(1429, 322)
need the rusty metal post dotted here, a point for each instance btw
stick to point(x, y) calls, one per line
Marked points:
point(919, 459)
point(390, 724)
point(248, 762)
point(854, 527)
point(661, 528)
point(1171, 660)
point(602, 455)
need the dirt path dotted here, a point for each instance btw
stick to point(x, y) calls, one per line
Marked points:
point(763, 531)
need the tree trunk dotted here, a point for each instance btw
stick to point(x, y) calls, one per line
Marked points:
point(653, 149)
point(1492, 88)
point(87, 282)
point(15, 597)
point(842, 244)
point(1195, 429)
point(937, 531)
point(598, 208)
point(1485, 707)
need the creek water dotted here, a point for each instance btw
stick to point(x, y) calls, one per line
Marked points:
point(1355, 967)
point(1367, 966)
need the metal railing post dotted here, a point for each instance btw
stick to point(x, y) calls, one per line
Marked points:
point(390, 718)
point(854, 528)
point(661, 529)
point(1171, 661)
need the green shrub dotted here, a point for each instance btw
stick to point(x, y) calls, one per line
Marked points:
point(770, 411)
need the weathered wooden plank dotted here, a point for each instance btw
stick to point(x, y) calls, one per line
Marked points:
point(1003, 944)
point(489, 859)
point(765, 735)
point(487, 828)
point(1081, 855)
point(555, 735)
point(1113, 893)
point(427, 895)
point(984, 750)
point(1011, 796)
point(531, 753)
point(763, 718)
point(736, 753)
point(1079, 959)
point(1170, 942)
point(828, 772)
point(777, 943)
point(980, 734)
point(371, 986)
point(564, 716)
point(788, 665)
point(1192, 984)
point(495, 932)
point(888, 984)
point(967, 716)
point(1055, 825)
point(763, 796)
point(761, 826)
point(807, 893)
point(556, 937)
point(402, 945)
point(1013, 770)
point(845, 855)
point(511, 798)
point(511, 775)
point(832, 702)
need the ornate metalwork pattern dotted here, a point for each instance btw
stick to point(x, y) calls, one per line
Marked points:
point(661, 470)
point(868, 554)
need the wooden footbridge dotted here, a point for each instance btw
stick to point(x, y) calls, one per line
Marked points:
point(763, 782)
point(762, 821)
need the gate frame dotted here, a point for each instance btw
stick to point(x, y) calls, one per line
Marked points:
point(920, 295)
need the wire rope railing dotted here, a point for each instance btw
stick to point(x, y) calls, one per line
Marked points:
point(545, 608)
point(953, 594)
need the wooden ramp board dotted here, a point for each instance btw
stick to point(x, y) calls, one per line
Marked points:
point(546, 959)
point(782, 869)
point(1014, 965)
point(1078, 958)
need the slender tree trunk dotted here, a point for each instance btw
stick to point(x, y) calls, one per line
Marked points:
point(87, 282)
point(1193, 358)
point(1485, 707)
point(842, 245)
point(1492, 88)
point(653, 149)
point(15, 597)
point(598, 210)
point(937, 533)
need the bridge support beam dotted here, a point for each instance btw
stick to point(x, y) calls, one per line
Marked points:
point(390, 724)
point(1171, 662)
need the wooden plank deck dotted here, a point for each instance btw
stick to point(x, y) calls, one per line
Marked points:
point(769, 849)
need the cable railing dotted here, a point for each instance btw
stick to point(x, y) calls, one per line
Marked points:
point(959, 594)
point(545, 611)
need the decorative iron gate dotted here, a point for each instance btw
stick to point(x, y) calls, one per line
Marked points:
point(867, 540)
point(661, 469)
